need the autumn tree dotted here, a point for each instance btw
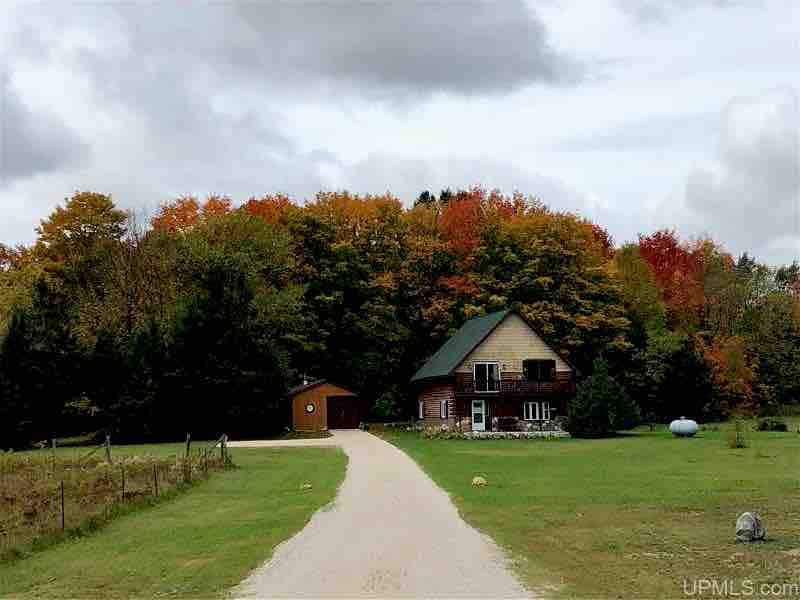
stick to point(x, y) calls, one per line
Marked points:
point(185, 212)
point(733, 378)
point(86, 220)
point(272, 208)
point(179, 215)
point(678, 271)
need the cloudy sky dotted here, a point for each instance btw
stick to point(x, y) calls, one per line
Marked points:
point(639, 114)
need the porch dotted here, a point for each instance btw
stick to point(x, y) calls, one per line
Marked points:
point(504, 413)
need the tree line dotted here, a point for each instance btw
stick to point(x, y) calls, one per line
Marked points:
point(202, 318)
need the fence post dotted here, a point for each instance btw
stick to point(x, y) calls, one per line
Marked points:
point(63, 515)
point(155, 479)
point(122, 468)
point(108, 448)
point(188, 442)
point(224, 449)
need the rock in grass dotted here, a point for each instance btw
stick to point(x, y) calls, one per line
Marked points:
point(478, 481)
point(306, 486)
point(749, 528)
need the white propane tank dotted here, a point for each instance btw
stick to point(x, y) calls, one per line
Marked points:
point(683, 427)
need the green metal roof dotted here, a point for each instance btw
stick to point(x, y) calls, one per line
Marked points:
point(456, 349)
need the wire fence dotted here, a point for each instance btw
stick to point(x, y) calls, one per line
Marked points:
point(43, 493)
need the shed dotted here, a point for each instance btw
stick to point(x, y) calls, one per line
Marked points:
point(323, 405)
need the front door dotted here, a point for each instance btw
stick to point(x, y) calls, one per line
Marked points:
point(478, 415)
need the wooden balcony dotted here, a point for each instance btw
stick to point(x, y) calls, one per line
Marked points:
point(516, 387)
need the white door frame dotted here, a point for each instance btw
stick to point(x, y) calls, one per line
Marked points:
point(482, 411)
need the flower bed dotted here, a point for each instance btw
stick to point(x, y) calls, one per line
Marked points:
point(445, 433)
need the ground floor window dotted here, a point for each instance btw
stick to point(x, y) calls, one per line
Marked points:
point(531, 411)
point(444, 409)
point(535, 411)
point(421, 409)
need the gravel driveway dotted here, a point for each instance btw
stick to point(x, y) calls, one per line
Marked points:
point(391, 532)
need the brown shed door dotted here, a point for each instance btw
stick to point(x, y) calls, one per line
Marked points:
point(343, 412)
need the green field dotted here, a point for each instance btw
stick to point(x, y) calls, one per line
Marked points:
point(196, 545)
point(631, 516)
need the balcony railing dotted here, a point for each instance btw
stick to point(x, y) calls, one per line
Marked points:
point(514, 386)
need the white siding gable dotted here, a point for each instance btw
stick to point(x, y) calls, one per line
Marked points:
point(509, 344)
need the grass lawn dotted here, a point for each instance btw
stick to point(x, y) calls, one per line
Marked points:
point(630, 516)
point(196, 545)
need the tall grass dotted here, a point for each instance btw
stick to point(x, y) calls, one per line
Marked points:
point(44, 496)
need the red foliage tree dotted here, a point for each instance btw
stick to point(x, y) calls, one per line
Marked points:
point(273, 208)
point(465, 216)
point(678, 272)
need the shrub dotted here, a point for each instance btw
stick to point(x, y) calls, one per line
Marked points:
point(508, 424)
point(772, 425)
point(736, 437)
point(600, 406)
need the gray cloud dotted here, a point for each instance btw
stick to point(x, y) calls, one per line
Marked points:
point(654, 134)
point(750, 202)
point(385, 50)
point(460, 47)
point(32, 142)
point(661, 11)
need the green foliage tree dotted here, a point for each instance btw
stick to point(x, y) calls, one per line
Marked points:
point(554, 269)
point(640, 294)
point(40, 368)
point(601, 406)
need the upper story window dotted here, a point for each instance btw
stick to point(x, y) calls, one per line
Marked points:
point(486, 376)
point(539, 370)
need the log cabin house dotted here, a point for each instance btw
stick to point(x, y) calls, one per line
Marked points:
point(495, 373)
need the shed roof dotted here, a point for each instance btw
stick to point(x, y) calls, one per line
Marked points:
point(456, 349)
point(307, 386)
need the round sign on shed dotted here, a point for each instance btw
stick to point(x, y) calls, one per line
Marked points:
point(325, 405)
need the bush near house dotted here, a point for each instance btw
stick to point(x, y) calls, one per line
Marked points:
point(601, 405)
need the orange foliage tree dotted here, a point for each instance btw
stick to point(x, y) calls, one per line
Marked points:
point(185, 212)
point(272, 208)
point(466, 215)
point(678, 271)
point(733, 376)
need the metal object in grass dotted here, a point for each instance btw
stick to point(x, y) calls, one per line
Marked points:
point(683, 427)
